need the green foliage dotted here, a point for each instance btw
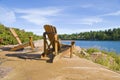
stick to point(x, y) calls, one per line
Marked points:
point(109, 59)
point(112, 61)
point(110, 34)
point(8, 38)
point(103, 61)
point(92, 50)
point(114, 55)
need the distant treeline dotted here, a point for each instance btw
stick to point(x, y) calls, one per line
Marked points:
point(7, 37)
point(110, 34)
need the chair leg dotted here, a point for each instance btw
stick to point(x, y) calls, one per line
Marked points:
point(56, 45)
point(45, 45)
point(71, 49)
point(31, 43)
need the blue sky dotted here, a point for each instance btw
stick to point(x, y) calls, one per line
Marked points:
point(69, 16)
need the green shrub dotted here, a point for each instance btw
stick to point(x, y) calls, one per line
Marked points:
point(108, 59)
point(92, 50)
point(8, 38)
point(115, 65)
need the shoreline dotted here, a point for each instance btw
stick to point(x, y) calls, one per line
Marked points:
point(111, 46)
point(86, 40)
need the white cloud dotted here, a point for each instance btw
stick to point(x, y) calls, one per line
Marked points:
point(117, 13)
point(7, 16)
point(89, 21)
point(36, 19)
point(39, 16)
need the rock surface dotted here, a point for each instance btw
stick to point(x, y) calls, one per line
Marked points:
point(65, 68)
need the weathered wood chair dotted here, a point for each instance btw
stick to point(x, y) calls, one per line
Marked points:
point(1, 40)
point(20, 44)
point(52, 43)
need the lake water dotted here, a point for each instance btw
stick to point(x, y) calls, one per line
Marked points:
point(102, 45)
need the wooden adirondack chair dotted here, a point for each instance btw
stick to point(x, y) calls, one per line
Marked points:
point(1, 40)
point(20, 44)
point(52, 44)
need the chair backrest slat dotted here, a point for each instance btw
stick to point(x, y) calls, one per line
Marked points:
point(51, 32)
point(15, 35)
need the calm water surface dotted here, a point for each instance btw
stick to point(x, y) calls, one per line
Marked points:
point(102, 45)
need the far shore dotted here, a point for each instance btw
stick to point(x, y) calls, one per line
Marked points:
point(85, 40)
